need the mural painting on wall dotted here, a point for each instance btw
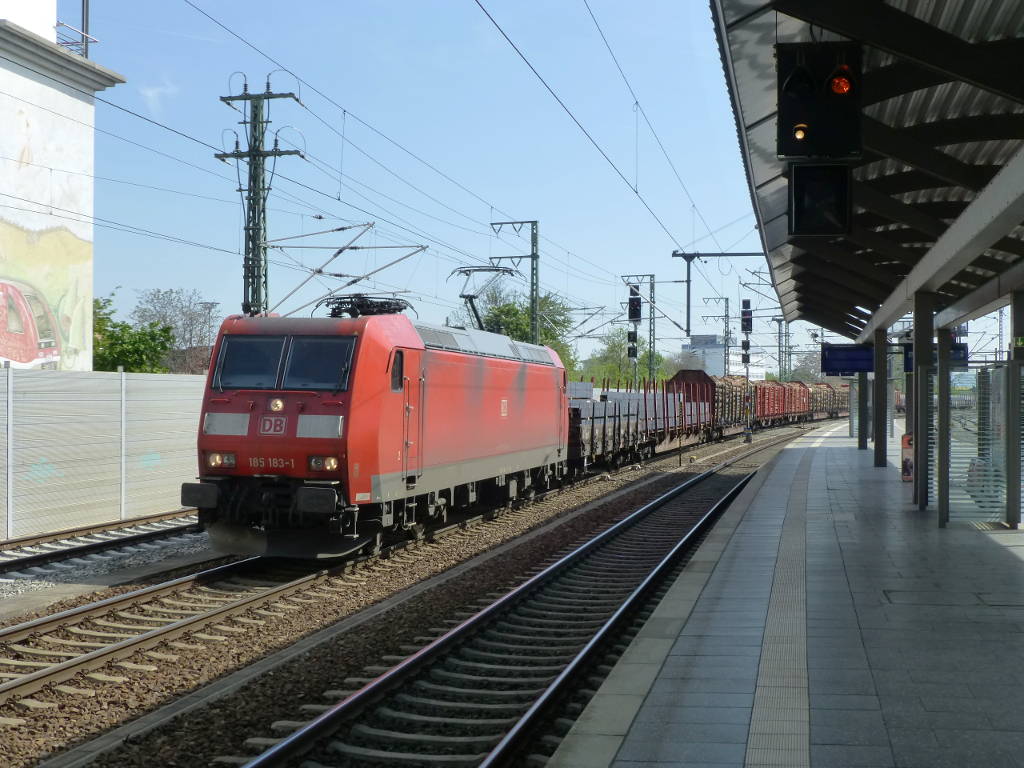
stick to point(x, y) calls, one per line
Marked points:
point(45, 299)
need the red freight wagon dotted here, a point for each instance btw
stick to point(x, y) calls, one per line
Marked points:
point(695, 391)
point(798, 400)
point(769, 402)
point(320, 433)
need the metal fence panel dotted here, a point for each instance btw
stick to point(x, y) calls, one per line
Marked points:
point(161, 418)
point(977, 457)
point(66, 463)
point(8, 524)
point(79, 448)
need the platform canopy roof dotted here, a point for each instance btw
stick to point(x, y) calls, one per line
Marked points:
point(938, 195)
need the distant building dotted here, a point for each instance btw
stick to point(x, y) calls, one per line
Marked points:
point(46, 190)
point(710, 348)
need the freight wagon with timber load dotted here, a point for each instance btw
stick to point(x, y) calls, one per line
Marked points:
point(797, 401)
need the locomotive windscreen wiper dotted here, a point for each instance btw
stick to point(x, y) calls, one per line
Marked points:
point(342, 380)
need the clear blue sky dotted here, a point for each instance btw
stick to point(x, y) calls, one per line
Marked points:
point(437, 78)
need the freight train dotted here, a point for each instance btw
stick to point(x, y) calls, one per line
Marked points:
point(320, 437)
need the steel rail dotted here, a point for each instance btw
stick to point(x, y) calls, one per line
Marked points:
point(305, 738)
point(34, 560)
point(71, 533)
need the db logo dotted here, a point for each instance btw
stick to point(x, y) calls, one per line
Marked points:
point(273, 425)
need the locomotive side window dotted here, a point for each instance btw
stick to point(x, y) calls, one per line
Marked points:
point(249, 362)
point(397, 371)
point(319, 362)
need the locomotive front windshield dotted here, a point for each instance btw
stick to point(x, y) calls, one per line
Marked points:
point(319, 362)
point(285, 362)
point(250, 362)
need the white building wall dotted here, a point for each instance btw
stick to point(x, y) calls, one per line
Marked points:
point(713, 358)
point(37, 16)
point(46, 197)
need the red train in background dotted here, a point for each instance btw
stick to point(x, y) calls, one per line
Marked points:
point(320, 436)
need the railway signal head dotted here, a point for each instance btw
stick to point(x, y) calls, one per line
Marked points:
point(818, 100)
point(746, 318)
point(820, 203)
point(633, 306)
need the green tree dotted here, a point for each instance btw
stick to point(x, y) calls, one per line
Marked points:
point(139, 350)
point(806, 367)
point(191, 319)
point(611, 360)
point(682, 360)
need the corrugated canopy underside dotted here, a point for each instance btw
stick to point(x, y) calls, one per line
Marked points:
point(943, 111)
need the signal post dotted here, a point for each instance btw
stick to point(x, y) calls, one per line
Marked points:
point(746, 328)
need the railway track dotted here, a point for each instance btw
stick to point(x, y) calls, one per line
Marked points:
point(209, 606)
point(28, 552)
point(54, 649)
point(473, 693)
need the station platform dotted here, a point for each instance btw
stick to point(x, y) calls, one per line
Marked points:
point(825, 622)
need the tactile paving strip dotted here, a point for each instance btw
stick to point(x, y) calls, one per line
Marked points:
point(780, 720)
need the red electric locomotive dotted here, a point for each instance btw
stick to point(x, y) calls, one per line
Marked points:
point(319, 435)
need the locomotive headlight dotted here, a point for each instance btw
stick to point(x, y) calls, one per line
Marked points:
point(220, 460)
point(277, 404)
point(323, 463)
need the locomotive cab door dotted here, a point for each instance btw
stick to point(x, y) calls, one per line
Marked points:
point(413, 383)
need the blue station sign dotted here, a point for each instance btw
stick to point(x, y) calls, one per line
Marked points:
point(957, 355)
point(847, 359)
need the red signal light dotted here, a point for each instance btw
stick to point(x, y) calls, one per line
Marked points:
point(840, 85)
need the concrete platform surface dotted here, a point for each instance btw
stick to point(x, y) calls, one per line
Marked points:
point(825, 622)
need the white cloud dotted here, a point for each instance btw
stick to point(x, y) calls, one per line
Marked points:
point(154, 96)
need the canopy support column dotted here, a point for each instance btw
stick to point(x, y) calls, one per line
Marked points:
point(863, 422)
point(942, 444)
point(924, 306)
point(1013, 409)
point(880, 393)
